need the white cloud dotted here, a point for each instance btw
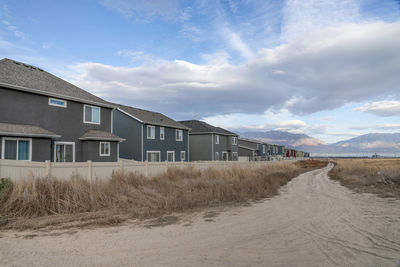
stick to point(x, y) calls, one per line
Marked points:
point(382, 108)
point(384, 127)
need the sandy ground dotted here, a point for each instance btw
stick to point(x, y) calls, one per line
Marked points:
point(314, 222)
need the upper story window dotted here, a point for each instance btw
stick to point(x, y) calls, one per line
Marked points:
point(57, 102)
point(217, 139)
point(162, 133)
point(234, 140)
point(151, 132)
point(91, 114)
point(179, 135)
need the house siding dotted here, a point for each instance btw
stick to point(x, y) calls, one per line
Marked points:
point(41, 147)
point(92, 148)
point(201, 147)
point(33, 109)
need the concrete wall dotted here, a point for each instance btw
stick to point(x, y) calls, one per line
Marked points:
point(26, 108)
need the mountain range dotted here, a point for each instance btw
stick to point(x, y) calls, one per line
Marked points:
point(380, 143)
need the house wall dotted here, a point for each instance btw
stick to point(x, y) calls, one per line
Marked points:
point(225, 145)
point(26, 108)
point(131, 130)
point(248, 144)
point(168, 144)
point(200, 147)
point(243, 152)
point(41, 148)
point(92, 148)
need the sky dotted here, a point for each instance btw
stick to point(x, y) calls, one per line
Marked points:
point(329, 69)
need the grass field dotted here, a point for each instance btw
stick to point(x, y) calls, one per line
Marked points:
point(380, 176)
point(39, 202)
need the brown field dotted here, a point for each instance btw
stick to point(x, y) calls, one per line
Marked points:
point(379, 176)
point(41, 202)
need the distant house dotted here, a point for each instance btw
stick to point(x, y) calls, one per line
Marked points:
point(290, 153)
point(208, 142)
point(277, 151)
point(254, 149)
point(43, 117)
point(150, 136)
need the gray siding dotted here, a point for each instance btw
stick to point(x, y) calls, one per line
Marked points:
point(200, 147)
point(26, 108)
point(41, 148)
point(92, 148)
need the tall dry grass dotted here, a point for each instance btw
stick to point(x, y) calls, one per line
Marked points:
point(380, 176)
point(132, 194)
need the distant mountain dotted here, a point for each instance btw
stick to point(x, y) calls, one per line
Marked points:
point(368, 143)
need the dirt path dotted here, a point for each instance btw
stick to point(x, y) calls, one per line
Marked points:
point(314, 222)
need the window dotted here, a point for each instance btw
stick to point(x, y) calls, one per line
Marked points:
point(263, 149)
point(162, 133)
point(183, 155)
point(179, 135)
point(16, 149)
point(151, 132)
point(104, 148)
point(57, 102)
point(91, 114)
point(216, 139)
point(153, 156)
point(234, 140)
point(216, 156)
point(64, 152)
point(225, 156)
point(234, 156)
point(170, 155)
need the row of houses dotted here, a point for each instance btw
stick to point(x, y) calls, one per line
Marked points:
point(43, 117)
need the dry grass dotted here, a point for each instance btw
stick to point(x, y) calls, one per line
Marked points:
point(130, 195)
point(380, 176)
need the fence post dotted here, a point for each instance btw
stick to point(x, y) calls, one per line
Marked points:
point(47, 168)
point(147, 169)
point(89, 171)
point(1, 163)
point(121, 165)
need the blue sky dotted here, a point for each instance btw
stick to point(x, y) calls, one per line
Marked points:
point(330, 69)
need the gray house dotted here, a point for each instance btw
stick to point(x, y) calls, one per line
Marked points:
point(254, 149)
point(208, 142)
point(43, 117)
point(150, 135)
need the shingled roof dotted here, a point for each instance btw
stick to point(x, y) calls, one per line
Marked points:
point(100, 135)
point(202, 127)
point(150, 117)
point(24, 77)
point(23, 130)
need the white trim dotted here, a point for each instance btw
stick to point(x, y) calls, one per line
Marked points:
point(234, 140)
point(237, 155)
point(215, 154)
point(176, 138)
point(184, 153)
point(217, 139)
point(16, 139)
point(163, 133)
point(109, 149)
point(127, 114)
point(227, 155)
point(173, 153)
point(56, 99)
point(64, 143)
point(112, 120)
point(29, 135)
point(153, 151)
point(84, 112)
point(147, 132)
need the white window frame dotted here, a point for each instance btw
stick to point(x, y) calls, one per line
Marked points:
point(181, 135)
point(233, 155)
point(216, 156)
point(16, 139)
point(217, 139)
point(173, 158)
point(153, 151)
point(56, 105)
point(162, 130)
point(264, 148)
point(151, 127)
point(225, 153)
point(234, 140)
point(64, 143)
point(184, 155)
point(84, 113)
point(109, 149)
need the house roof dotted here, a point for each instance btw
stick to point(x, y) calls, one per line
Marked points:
point(150, 117)
point(23, 130)
point(20, 76)
point(101, 136)
point(201, 127)
point(251, 140)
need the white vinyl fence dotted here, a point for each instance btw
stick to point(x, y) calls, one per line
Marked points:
point(16, 170)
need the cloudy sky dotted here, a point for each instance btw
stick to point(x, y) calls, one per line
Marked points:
point(330, 69)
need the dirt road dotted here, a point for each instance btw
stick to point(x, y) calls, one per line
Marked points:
point(314, 222)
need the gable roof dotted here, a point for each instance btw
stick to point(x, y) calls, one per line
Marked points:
point(201, 127)
point(20, 76)
point(150, 117)
point(24, 130)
